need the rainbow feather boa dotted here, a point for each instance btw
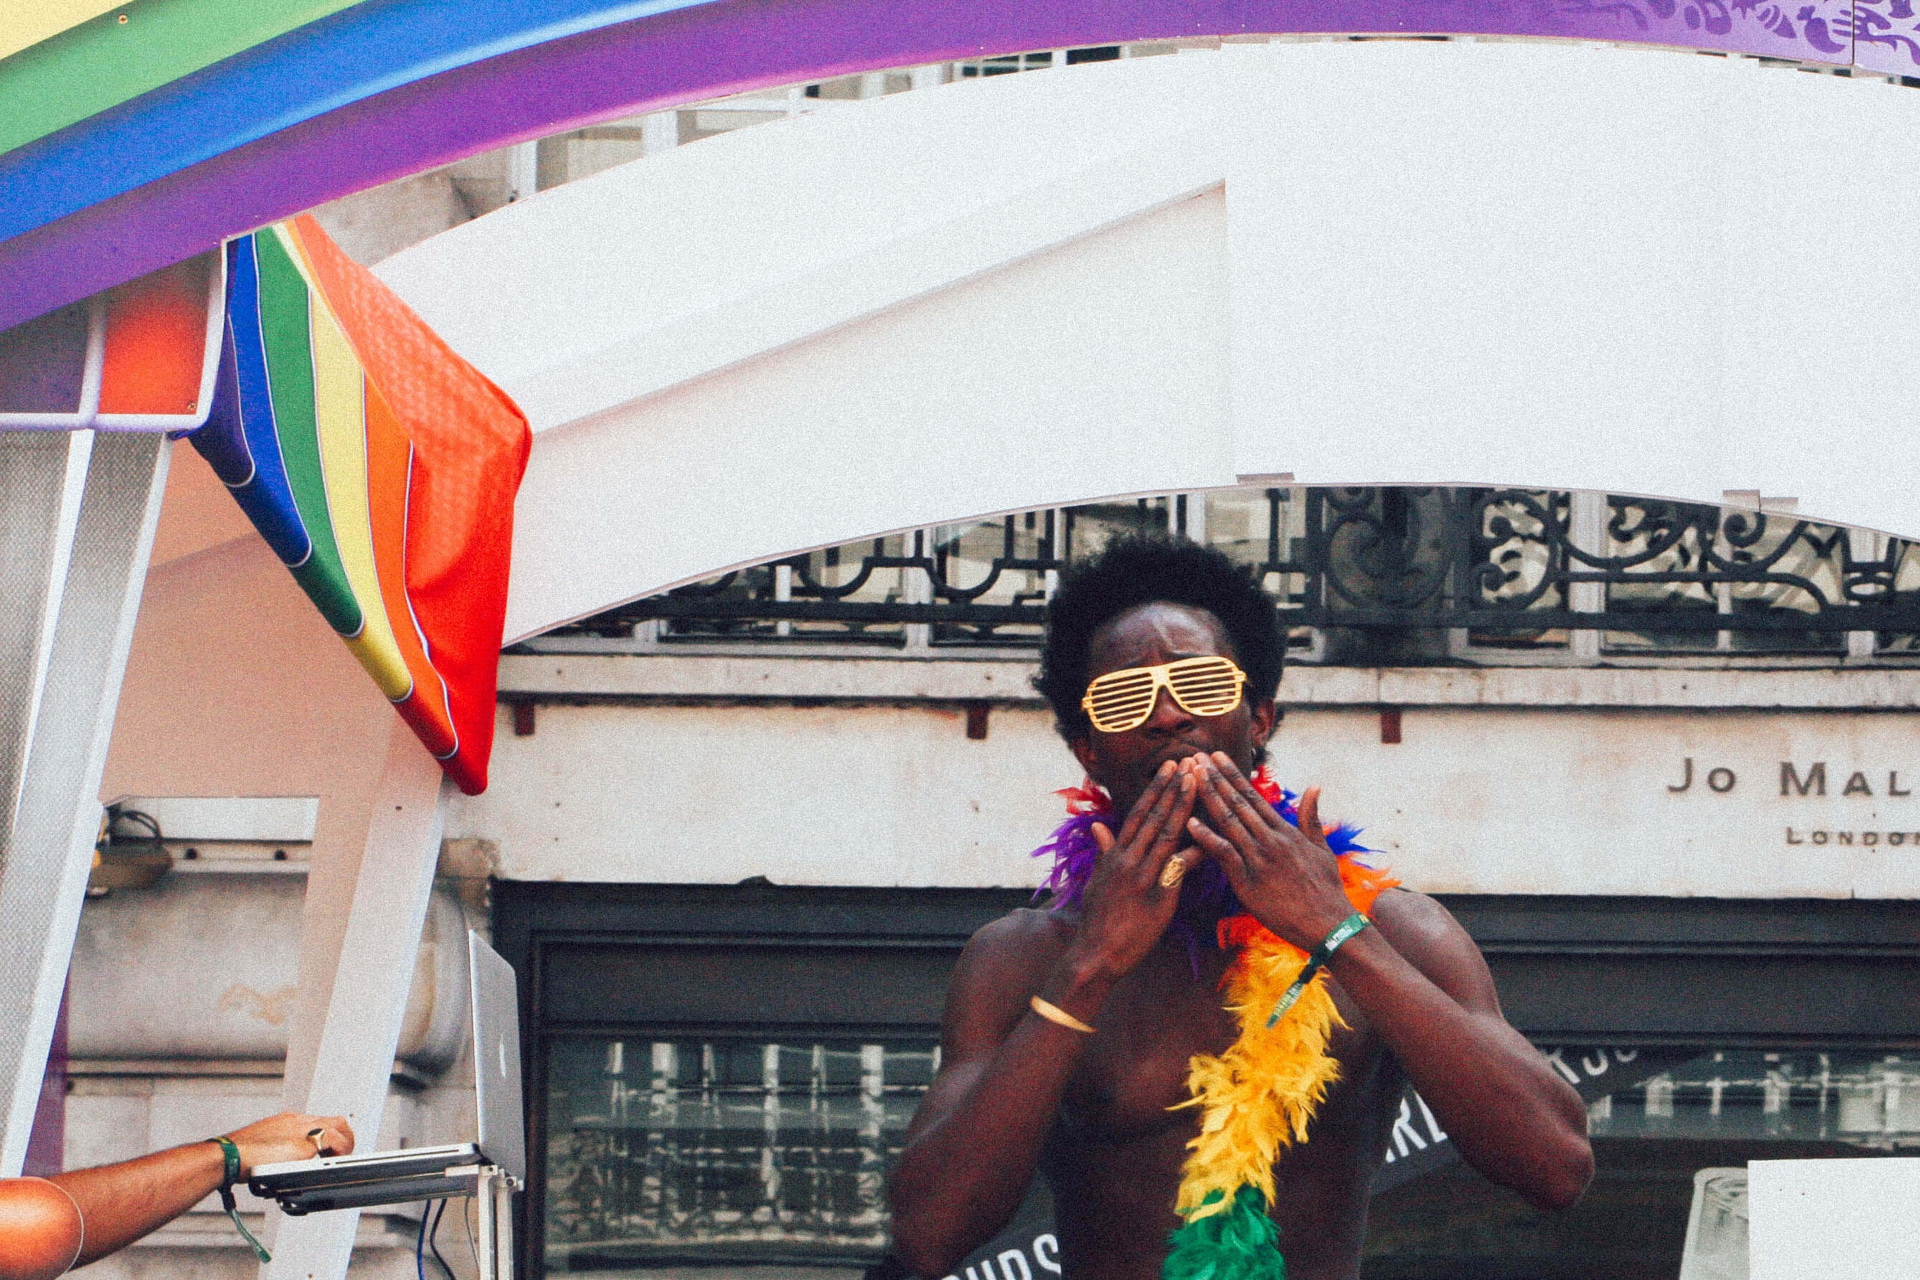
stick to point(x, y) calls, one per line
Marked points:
point(1258, 1096)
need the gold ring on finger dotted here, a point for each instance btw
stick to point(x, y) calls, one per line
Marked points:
point(1171, 874)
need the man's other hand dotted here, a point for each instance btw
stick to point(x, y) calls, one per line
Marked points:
point(291, 1136)
point(122, 1202)
point(1126, 907)
point(1286, 876)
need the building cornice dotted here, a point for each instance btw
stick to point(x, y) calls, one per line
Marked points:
point(835, 678)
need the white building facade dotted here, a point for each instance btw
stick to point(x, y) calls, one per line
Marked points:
point(768, 747)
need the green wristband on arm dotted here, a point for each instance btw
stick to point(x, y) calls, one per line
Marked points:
point(1317, 960)
point(230, 1175)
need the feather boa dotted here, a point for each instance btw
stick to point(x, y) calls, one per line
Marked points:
point(1258, 1096)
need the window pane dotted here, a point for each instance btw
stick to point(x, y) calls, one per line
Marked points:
point(1865, 1099)
point(1002, 561)
point(724, 1150)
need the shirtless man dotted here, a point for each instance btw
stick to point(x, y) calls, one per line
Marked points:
point(1018, 1093)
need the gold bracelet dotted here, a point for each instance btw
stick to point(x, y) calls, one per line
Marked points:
point(1055, 1014)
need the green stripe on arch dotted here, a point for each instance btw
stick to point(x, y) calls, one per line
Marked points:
point(287, 328)
point(130, 50)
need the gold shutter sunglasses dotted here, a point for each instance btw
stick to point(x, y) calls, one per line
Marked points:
point(1122, 700)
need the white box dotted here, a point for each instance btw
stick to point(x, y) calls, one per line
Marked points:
point(1853, 1219)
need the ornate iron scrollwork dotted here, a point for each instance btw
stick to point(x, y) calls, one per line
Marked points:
point(1504, 566)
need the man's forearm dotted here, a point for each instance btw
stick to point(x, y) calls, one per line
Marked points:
point(1492, 1092)
point(963, 1175)
point(119, 1203)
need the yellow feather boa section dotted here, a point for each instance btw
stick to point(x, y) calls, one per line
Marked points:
point(1258, 1096)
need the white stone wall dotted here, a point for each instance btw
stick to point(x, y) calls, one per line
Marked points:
point(1505, 781)
point(846, 795)
point(702, 767)
point(1514, 801)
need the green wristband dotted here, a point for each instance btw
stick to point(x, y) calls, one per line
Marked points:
point(229, 1175)
point(1317, 960)
point(231, 1153)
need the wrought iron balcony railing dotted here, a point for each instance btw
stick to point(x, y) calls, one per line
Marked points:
point(1364, 575)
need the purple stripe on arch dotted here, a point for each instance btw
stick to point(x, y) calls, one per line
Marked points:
point(43, 364)
point(736, 45)
point(362, 50)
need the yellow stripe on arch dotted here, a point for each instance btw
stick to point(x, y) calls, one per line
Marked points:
point(22, 25)
point(340, 408)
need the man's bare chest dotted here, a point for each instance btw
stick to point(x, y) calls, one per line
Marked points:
point(1133, 1077)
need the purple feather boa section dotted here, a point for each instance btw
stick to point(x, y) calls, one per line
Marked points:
point(1206, 898)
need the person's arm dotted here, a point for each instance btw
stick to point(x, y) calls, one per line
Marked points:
point(1423, 986)
point(975, 1142)
point(119, 1203)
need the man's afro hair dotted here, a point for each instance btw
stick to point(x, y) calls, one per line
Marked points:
point(1139, 569)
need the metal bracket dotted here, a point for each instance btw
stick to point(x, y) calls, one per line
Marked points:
point(493, 1189)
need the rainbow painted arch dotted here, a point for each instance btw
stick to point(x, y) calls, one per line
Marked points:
point(147, 132)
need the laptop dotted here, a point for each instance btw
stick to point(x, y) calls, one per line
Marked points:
point(430, 1173)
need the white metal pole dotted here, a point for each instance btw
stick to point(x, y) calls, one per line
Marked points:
point(50, 807)
point(36, 515)
point(489, 1249)
point(1587, 530)
point(503, 1226)
point(354, 983)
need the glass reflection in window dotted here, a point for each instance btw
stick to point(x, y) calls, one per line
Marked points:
point(725, 1150)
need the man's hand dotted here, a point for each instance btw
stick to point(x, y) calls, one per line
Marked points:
point(1286, 876)
point(1125, 908)
point(975, 1142)
point(1435, 1005)
point(291, 1136)
point(122, 1202)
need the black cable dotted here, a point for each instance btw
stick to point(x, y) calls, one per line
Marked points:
point(138, 819)
point(433, 1241)
point(420, 1246)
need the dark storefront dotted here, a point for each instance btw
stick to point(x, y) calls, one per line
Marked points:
point(721, 1076)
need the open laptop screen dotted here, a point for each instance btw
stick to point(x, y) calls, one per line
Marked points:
point(496, 1066)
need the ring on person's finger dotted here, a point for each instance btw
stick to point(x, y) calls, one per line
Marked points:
point(314, 1136)
point(1171, 874)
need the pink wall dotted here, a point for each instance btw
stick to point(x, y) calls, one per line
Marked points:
point(236, 687)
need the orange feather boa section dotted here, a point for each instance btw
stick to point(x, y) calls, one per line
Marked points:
point(1259, 1095)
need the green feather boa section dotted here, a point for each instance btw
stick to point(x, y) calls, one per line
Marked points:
point(1237, 1243)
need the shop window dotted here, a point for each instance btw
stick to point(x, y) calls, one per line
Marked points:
point(722, 1076)
point(735, 1149)
point(1868, 1100)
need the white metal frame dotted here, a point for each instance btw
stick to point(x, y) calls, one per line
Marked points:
point(494, 1192)
point(91, 566)
point(360, 938)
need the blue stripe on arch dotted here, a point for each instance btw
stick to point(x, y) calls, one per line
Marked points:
point(246, 403)
point(367, 49)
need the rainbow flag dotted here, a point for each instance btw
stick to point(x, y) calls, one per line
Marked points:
point(381, 468)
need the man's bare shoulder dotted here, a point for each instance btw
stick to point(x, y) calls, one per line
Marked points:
point(1410, 917)
point(1427, 934)
point(1023, 937)
point(1004, 963)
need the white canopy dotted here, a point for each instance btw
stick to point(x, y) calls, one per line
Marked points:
point(1547, 265)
